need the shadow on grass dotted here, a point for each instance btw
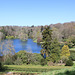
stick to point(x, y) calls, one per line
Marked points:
point(4, 69)
point(67, 73)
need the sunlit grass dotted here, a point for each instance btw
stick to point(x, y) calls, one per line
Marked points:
point(37, 66)
point(28, 68)
point(71, 71)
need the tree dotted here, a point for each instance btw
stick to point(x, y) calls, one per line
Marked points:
point(55, 51)
point(65, 51)
point(7, 49)
point(69, 63)
point(50, 46)
point(47, 38)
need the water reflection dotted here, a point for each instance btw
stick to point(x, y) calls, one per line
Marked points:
point(28, 45)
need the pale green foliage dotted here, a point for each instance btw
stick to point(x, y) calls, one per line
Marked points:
point(65, 51)
point(10, 37)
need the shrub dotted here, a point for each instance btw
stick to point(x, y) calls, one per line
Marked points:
point(23, 57)
point(64, 59)
point(50, 63)
point(69, 62)
point(1, 66)
point(43, 62)
point(72, 56)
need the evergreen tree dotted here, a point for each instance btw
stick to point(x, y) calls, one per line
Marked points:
point(55, 51)
point(50, 46)
point(65, 51)
point(46, 41)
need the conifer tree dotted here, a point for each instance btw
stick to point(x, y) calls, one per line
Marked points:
point(55, 51)
point(65, 51)
point(50, 46)
point(46, 41)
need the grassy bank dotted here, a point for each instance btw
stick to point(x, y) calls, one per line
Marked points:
point(66, 71)
point(32, 68)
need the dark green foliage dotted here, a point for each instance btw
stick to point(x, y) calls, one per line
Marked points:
point(43, 62)
point(42, 28)
point(50, 46)
point(55, 51)
point(68, 72)
point(69, 62)
point(72, 56)
point(1, 66)
point(36, 59)
point(47, 39)
point(23, 57)
point(73, 41)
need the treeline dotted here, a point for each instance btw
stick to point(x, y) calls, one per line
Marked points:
point(60, 31)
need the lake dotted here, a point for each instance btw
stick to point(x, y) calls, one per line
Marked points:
point(28, 46)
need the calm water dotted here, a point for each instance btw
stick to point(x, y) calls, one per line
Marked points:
point(28, 45)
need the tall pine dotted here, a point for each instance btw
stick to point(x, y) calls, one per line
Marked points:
point(50, 46)
point(47, 38)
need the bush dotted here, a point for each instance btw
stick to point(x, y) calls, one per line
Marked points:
point(43, 62)
point(23, 57)
point(69, 62)
point(64, 59)
point(8, 61)
point(1, 66)
point(72, 56)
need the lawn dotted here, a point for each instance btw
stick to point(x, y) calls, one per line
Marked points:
point(68, 71)
point(36, 66)
point(32, 68)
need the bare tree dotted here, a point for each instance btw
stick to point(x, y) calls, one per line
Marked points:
point(7, 49)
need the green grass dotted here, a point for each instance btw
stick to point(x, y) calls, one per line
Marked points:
point(37, 66)
point(35, 69)
point(68, 71)
point(32, 68)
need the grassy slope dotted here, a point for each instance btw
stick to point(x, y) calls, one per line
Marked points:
point(37, 66)
point(34, 67)
point(62, 69)
point(68, 71)
point(65, 71)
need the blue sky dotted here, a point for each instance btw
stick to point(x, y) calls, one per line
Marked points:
point(36, 12)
